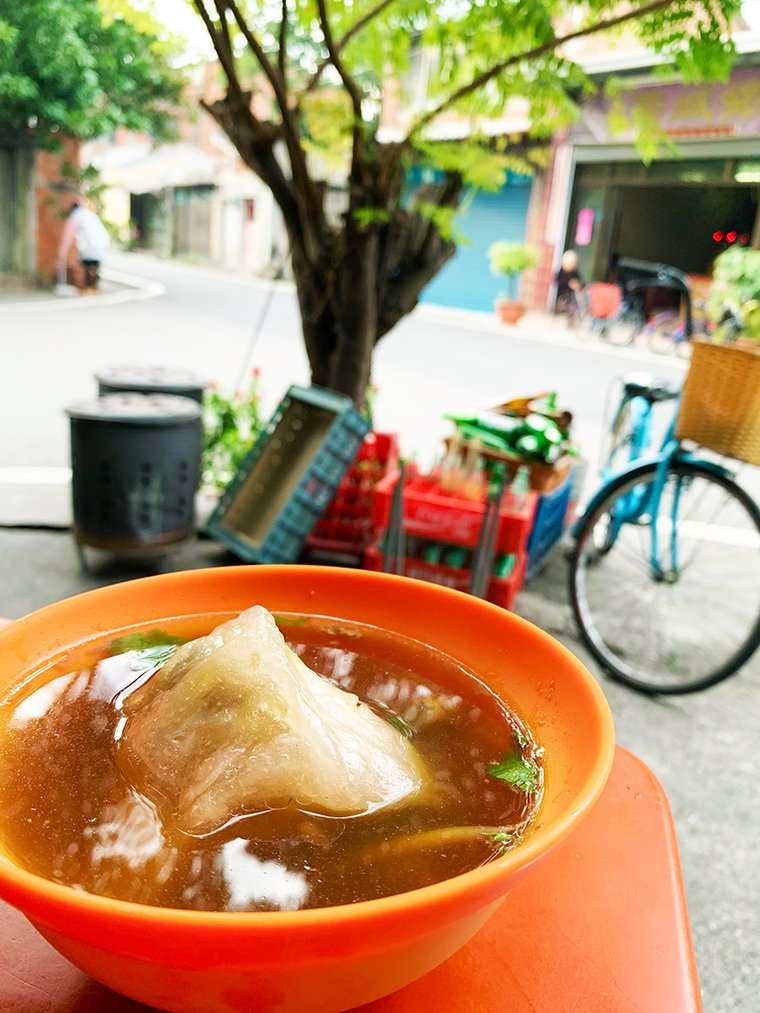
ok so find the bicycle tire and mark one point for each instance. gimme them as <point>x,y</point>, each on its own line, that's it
<point>684,346</point>
<point>661,334</point>
<point>624,330</point>
<point>686,633</point>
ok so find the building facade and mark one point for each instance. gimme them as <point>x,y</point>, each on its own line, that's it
<point>36,192</point>
<point>696,194</point>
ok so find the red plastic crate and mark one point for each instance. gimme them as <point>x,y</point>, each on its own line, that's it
<point>348,526</point>
<point>501,590</point>
<point>431,513</point>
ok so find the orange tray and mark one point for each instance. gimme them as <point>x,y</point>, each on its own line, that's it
<point>600,926</point>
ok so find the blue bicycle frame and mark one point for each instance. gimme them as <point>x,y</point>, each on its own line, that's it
<point>642,503</point>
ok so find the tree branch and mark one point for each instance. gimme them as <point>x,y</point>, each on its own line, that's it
<point>270,71</point>
<point>546,47</point>
<point>344,40</point>
<point>255,143</point>
<point>225,30</point>
<point>415,252</point>
<point>310,199</point>
<point>283,41</point>
<point>350,84</point>
<point>220,43</point>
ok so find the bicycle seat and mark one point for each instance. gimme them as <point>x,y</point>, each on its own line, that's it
<point>652,388</point>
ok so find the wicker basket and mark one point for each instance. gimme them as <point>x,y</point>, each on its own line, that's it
<point>720,405</point>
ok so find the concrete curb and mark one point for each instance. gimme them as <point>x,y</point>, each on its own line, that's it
<point>540,328</point>
<point>134,290</point>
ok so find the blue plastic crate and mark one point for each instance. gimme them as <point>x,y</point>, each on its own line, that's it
<point>289,476</point>
<point>548,525</point>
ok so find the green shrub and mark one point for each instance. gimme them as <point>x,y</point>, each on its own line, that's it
<point>231,423</point>
<point>510,260</point>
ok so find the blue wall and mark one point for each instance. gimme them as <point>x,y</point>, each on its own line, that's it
<point>466,281</point>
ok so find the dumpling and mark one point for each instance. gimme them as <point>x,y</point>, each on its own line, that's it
<point>236,723</point>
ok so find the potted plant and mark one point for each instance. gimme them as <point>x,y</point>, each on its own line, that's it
<point>734,305</point>
<point>511,259</point>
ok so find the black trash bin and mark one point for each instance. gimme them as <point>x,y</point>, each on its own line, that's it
<point>135,461</point>
<point>150,380</point>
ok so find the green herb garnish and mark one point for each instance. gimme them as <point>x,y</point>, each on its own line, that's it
<point>152,657</point>
<point>503,838</point>
<point>400,724</point>
<point>517,771</point>
<point>144,641</point>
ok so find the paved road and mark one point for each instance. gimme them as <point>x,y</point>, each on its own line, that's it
<point>434,362</point>
<point>703,747</point>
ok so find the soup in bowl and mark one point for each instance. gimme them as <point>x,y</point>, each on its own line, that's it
<point>198,840</point>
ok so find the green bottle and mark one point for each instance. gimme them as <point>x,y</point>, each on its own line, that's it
<point>456,557</point>
<point>432,552</point>
<point>504,565</point>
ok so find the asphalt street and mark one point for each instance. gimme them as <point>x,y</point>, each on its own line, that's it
<point>703,747</point>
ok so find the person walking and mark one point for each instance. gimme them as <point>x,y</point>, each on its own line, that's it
<point>85,228</point>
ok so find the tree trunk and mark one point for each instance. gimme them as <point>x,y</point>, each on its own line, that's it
<point>339,313</point>
<point>346,310</point>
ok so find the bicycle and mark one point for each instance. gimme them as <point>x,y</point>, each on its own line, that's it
<point>610,316</point>
<point>664,571</point>
<point>621,317</point>
<point>668,332</point>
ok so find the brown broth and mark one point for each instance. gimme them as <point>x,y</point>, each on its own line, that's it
<point>68,813</point>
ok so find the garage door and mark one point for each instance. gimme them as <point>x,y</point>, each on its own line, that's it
<point>466,281</point>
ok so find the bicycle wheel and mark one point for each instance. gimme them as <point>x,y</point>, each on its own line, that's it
<point>663,333</point>
<point>700,621</point>
<point>625,328</point>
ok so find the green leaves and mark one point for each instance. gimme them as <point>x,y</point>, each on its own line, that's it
<point>400,724</point>
<point>231,424</point>
<point>149,649</point>
<point>146,641</point>
<point>68,66</point>
<point>151,657</point>
<point>516,770</point>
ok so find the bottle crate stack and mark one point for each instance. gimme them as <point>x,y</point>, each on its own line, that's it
<point>442,532</point>
<point>347,526</point>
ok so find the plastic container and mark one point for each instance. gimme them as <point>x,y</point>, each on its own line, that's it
<point>288,478</point>
<point>500,591</point>
<point>135,462</point>
<point>548,526</point>
<point>141,379</point>
<point>347,526</point>
<point>436,515</point>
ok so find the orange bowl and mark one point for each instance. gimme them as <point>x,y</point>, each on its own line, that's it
<point>325,959</point>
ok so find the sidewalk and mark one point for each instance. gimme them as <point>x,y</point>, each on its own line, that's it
<point>115,287</point>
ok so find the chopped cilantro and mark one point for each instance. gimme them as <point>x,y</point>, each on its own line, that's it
<point>400,724</point>
<point>503,838</point>
<point>517,771</point>
<point>152,657</point>
<point>143,641</point>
